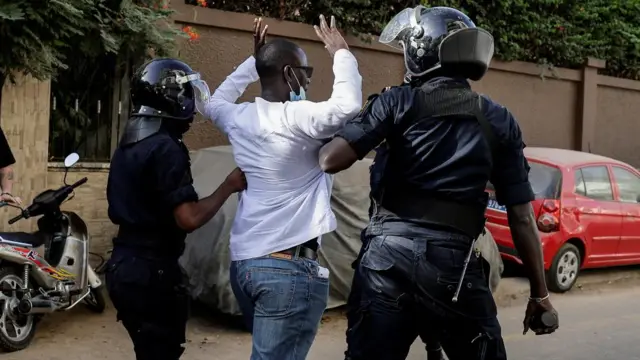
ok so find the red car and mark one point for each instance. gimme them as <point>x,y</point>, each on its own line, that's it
<point>587,210</point>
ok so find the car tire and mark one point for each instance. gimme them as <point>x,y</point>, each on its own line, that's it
<point>564,269</point>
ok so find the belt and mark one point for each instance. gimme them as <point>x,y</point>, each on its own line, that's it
<point>149,243</point>
<point>469,219</point>
<point>308,250</point>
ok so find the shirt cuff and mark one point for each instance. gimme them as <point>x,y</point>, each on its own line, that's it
<point>341,61</point>
<point>249,67</point>
<point>516,194</point>
<point>343,53</point>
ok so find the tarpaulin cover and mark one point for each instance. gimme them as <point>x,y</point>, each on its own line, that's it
<point>206,258</point>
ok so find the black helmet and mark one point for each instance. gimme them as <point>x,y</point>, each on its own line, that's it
<point>168,88</point>
<point>439,38</point>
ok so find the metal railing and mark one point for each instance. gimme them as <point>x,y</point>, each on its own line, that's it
<point>88,119</point>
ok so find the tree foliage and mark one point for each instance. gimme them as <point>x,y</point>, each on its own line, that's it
<point>81,45</point>
<point>42,37</point>
<point>554,32</point>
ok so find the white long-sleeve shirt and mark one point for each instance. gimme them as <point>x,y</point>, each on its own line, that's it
<point>287,201</point>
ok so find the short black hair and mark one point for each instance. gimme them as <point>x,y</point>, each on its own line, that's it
<point>274,56</point>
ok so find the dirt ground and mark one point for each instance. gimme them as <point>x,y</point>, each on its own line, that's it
<point>82,335</point>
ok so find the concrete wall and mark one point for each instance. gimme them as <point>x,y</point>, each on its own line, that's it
<point>574,109</point>
<point>25,120</point>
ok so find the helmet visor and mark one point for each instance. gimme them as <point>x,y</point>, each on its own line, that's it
<point>391,35</point>
<point>201,92</point>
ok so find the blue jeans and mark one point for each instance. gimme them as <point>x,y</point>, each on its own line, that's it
<point>286,299</point>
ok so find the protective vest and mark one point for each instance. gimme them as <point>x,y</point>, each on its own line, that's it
<point>438,211</point>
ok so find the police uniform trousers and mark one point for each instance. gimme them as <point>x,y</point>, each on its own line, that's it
<point>353,302</point>
<point>149,294</point>
<point>408,277</point>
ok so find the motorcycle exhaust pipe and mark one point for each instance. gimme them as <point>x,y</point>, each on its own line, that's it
<point>36,306</point>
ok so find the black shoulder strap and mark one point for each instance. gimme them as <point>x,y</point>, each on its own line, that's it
<point>487,131</point>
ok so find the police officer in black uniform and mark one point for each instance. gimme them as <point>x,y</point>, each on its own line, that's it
<point>432,345</point>
<point>152,200</point>
<point>441,143</point>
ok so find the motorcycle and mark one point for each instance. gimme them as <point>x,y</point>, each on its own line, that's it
<point>34,284</point>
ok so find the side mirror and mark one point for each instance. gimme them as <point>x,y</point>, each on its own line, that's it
<point>69,161</point>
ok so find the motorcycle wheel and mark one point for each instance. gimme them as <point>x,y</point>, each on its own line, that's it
<point>95,300</point>
<point>16,331</point>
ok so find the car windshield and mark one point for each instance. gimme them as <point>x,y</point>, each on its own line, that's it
<point>545,181</point>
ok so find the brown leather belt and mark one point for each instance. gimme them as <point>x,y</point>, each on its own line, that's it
<point>308,250</point>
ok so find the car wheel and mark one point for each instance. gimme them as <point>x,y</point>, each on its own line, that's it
<point>564,269</point>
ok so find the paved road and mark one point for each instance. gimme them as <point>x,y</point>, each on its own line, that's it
<point>596,325</point>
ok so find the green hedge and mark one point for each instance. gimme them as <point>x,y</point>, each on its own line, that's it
<point>43,37</point>
<point>553,32</point>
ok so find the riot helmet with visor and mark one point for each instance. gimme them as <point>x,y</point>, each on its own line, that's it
<point>168,88</point>
<point>439,38</point>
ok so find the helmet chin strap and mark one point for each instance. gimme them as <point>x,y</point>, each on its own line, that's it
<point>406,64</point>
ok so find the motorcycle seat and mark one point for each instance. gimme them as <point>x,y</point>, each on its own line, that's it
<point>33,240</point>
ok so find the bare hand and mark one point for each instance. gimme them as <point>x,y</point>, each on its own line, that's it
<point>236,180</point>
<point>259,35</point>
<point>330,36</point>
<point>533,314</point>
<point>10,199</point>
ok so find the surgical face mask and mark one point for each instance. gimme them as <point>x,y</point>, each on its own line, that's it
<point>292,94</point>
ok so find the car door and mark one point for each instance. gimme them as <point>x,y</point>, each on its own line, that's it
<point>628,183</point>
<point>598,213</point>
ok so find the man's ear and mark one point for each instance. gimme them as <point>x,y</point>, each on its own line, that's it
<point>288,77</point>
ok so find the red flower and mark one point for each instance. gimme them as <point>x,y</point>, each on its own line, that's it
<point>193,35</point>
<point>202,3</point>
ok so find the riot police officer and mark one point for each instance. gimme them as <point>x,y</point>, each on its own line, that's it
<point>152,199</point>
<point>432,345</point>
<point>441,143</point>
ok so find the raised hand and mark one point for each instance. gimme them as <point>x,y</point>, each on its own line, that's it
<point>330,36</point>
<point>259,35</point>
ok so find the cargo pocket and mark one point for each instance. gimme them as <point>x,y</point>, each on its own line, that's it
<point>128,283</point>
<point>475,299</point>
<point>376,257</point>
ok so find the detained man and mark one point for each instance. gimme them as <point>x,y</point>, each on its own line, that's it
<point>286,208</point>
